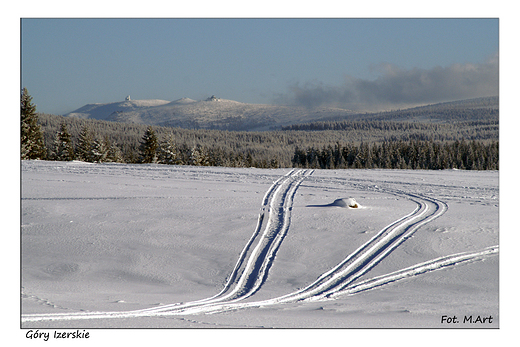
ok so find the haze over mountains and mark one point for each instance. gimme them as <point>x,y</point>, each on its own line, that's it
<point>216,113</point>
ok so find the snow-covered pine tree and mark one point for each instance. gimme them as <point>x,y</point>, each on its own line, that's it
<point>85,145</point>
<point>32,144</point>
<point>103,151</point>
<point>198,156</point>
<point>115,154</point>
<point>168,153</point>
<point>63,149</point>
<point>99,151</point>
<point>148,147</point>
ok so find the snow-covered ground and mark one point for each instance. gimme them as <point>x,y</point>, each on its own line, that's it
<point>156,246</point>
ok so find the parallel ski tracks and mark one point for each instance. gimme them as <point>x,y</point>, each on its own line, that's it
<point>255,260</point>
<point>253,265</point>
<point>372,252</point>
<point>418,269</point>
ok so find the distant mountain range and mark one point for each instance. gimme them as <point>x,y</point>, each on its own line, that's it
<point>216,113</point>
<point>212,113</point>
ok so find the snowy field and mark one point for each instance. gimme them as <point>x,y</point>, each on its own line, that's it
<point>156,246</point>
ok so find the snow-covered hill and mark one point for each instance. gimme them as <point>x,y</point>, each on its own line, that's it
<point>212,113</point>
<point>101,111</point>
<point>157,246</point>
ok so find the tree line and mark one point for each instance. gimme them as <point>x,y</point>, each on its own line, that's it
<point>51,137</point>
<point>425,155</point>
<point>486,129</point>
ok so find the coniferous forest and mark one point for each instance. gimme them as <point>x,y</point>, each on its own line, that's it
<point>424,155</point>
<point>470,144</point>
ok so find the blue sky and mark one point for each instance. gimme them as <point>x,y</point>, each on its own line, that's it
<point>67,63</point>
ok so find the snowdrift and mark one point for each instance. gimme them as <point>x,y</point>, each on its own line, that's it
<point>349,202</point>
<point>343,202</point>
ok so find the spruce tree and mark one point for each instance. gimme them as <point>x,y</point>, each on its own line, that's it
<point>99,152</point>
<point>148,147</point>
<point>32,144</point>
<point>85,145</point>
<point>114,154</point>
<point>198,156</point>
<point>168,153</point>
<point>63,150</point>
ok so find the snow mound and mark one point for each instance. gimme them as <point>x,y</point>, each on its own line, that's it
<point>343,203</point>
<point>350,202</point>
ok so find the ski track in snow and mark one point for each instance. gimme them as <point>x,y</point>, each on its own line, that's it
<point>255,260</point>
